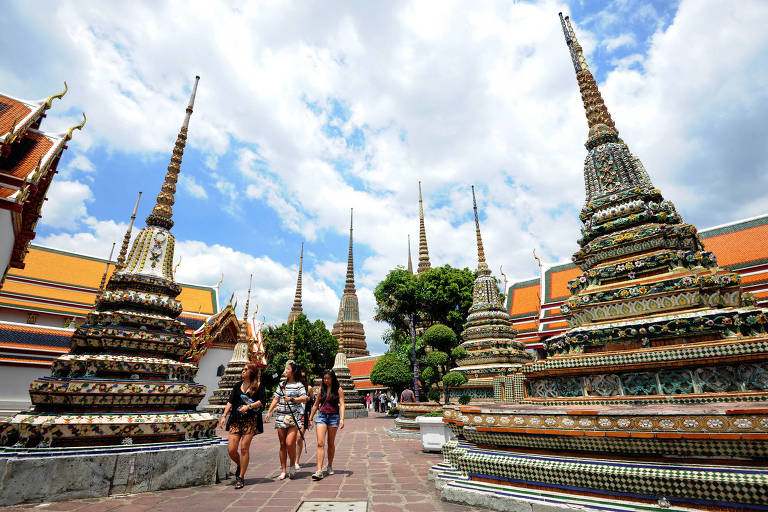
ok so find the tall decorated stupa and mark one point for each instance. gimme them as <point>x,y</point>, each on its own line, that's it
<point>296,309</point>
<point>657,396</point>
<point>348,330</point>
<point>424,263</point>
<point>123,380</point>
<point>488,336</point>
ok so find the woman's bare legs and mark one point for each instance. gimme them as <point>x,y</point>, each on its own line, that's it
<point>245,446</point>
<point>331,444</point>
<point>281,435</point>
<point>232,443</point>
<point>321,429</point>
<point>290,441</point>
<point>300,444</point>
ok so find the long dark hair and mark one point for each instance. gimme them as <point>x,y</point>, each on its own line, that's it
<point>254,375</point>
<point>294,371</point>
<point>334,391</point>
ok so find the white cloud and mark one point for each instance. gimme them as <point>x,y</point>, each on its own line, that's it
<point>194,189</point>
<point>618,41</point>
<point>65,206</point>
<point>452,95</point>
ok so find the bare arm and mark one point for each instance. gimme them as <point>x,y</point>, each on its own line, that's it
<point>223,420</point>
<point>271,408</point>
<point>342,407</point>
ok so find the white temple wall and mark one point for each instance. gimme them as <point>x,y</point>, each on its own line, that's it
<point>206,373</point>
<point>6,239</point>
<point>14,387</point>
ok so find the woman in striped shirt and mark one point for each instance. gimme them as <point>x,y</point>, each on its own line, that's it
<point>289,399</point>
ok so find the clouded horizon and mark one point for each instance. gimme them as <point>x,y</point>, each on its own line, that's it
<point>305,110</point>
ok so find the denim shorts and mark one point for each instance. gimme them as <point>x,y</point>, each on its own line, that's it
<point>332,420</point>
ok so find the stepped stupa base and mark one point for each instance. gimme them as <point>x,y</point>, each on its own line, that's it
<point>353,401</point>
<point>25,474</point>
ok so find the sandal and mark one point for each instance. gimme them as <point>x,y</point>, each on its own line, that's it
<point>291,473</point>
<point>239,482</point>
<point>317,475</point>
<point>281,477</point>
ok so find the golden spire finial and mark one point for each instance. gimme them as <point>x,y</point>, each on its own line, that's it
<point>248,300</point>
<point>50,99</point>
<point>481,264</point>
<point>297,309</point>
<point>176,266</point>
<point>410,263</point>
<point>106,270</point>
<point>598,118</point>
<point>68,136</point>
<point>163,211</point>
<point>291,350</point>
<point>127,238</point>
<point>424,263</point>
<point>349,287</point>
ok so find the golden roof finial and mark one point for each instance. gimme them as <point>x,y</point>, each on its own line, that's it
<point>106,270</point>
<point>424,263</point>
<point>177,265</point>
<point>68,136</point>
<point>127,238</point>
<point>50,99</point>
<point>481,264</point>
<point>248,300</point>
<point>163,211</point>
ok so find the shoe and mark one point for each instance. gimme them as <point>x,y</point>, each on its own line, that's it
<point>291,473</point>
<point>282,476</point>
<point>317,475</point>
<point>297,467</point>
<point>239,483</point>
<point>329,470</point>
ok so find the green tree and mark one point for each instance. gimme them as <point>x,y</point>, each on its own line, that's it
<point>441,337</point>
<point>392,371</point>
<point>315,348</point>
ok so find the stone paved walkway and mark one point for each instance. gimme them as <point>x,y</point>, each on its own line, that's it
<point>391,474</point>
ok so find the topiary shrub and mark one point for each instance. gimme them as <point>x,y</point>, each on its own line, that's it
<point>393,411</point>
<point>465,399</point>
<point>454,379</point>
<point>434,395</point>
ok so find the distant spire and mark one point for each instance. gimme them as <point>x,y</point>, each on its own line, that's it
<point>292,349</point>
<point>248,300</point>
<point>423,250</point>
<point>410,264</point>
<point>127,239</point>
<point>163,211</point>
<point>296,309</point>
<point>349,287</point>
<point>106,269</point>
<point>598,118</point>
<point>481,264</point>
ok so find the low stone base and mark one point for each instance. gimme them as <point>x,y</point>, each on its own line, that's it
<point>63,474</point>
<point>399,433</point>
<point>355,412</point>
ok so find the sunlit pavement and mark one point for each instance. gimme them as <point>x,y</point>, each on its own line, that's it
<point>391,474</point>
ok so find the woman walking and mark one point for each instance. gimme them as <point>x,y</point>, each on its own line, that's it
<point>290,397</point>
<point>244,407</point>
<point>329,407</point>
<point>305,424</point>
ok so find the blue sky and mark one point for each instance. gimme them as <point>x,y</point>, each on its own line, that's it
<point>305,111</point>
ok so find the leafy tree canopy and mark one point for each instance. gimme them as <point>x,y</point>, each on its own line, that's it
<point>441,337</point>
<point>315,348</point>
<point>392,370</point>
<point>454,379</point>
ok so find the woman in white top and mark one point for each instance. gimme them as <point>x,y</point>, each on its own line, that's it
<point>289,399</point>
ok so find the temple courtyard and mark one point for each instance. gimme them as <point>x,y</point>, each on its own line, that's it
<point>389,474</point>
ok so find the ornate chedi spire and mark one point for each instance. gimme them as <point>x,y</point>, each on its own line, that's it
<point>106,269</point>
<point>665,358</point>
<point>292,346</point>
<point>410,263</point>
<point>133,345</point>
<point>348,330</point>
<point>296,309</point>
<point>127,238</point>
<point>423,250</point>
<point>488,335</point>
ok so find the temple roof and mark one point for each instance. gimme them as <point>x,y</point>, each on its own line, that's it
<point>741,245</point>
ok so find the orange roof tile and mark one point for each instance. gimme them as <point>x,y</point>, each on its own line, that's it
<point>741,246</point>
<point>24,157</point>
<point>14,111</point>
<point>361,368</point>
<point>558,282</point>
<point>48,272</point>
<point>524,300</point>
